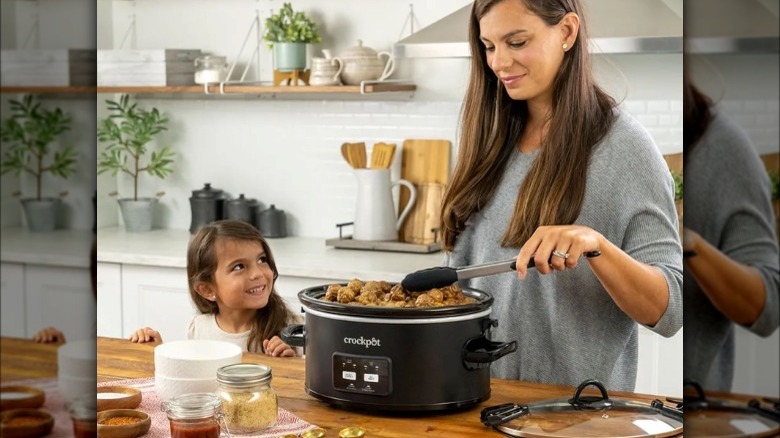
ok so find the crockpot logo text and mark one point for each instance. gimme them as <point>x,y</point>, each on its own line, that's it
<point>368,343</point>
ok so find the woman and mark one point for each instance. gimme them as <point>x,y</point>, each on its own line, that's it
<point>732,272</point>
<point>549,169</point>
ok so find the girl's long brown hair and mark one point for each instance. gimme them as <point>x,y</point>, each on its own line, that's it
<point>492,125</point>
<point>202,263</point>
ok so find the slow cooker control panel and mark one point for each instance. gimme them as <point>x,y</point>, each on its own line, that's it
<point>362,374</point>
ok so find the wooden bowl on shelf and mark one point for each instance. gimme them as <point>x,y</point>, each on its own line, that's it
<point>122,423</point>
<point>117,397</point>
<point>25,423</point>
<point>20,396</point>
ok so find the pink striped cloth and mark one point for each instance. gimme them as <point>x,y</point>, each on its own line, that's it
<point>54,404</point>
<point>286,422</point>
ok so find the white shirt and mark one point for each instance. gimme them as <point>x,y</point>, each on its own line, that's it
<point>204,326</point>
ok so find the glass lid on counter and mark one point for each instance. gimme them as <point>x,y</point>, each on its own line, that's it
<point>720,417</point>
<point>586,416</point>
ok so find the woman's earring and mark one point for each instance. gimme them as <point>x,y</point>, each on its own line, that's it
<point>565,46</point>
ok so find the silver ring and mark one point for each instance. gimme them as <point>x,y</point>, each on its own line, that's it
<point>563,255</point>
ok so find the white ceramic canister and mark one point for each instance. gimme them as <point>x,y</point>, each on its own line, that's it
<point>326,71</point>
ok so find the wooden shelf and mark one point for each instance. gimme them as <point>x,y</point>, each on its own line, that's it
<point>49,89</point>
<point>262,89</point>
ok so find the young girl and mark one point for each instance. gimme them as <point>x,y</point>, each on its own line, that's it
<point>231,275</point>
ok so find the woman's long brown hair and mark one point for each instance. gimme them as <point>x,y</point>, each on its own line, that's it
<point>697,114</point>
<point>492,125</point>
<point>202,263</point>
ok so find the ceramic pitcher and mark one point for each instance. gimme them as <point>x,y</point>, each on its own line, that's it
<point>375,217</point>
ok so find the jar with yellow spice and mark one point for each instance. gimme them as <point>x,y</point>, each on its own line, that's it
<point>248,401</point>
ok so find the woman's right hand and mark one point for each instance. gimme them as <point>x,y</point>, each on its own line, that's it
<point>146,334</point>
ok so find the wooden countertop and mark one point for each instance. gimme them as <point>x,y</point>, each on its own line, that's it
<point>120,359</point>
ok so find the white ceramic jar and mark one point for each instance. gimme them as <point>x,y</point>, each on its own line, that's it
<point>365,64</point>
<point>326,71</point>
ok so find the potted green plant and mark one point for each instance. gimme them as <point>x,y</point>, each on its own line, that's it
<point>29,133</point>
<point>127,131</point>
<point>288,32</point>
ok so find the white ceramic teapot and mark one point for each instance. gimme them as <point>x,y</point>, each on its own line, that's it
<point>365,64</point>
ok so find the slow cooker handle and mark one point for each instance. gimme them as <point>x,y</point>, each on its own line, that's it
<point>293,335</point>
<point>479,352</point>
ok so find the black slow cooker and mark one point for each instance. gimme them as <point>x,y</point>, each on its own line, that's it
<point>397,359</point>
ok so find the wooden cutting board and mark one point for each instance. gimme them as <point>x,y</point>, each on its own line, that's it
<point>423,162</point>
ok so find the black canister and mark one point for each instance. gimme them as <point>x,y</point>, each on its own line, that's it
<point>238,209</point>
<point>255,208</point>
<point>273,222</point>
<point>206,204</point>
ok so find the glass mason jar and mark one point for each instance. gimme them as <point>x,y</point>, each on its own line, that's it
<point>210,69</point>
<point>248,400</point>
<point>197,415</point>
<point>83,413</point>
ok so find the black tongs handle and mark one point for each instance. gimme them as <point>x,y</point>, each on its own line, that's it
<point>498,415</point>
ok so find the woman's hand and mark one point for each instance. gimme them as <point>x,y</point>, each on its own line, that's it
<point>146,334</point>
<point>276,347</point>
<point>548,242</point>
<point>49,334</point>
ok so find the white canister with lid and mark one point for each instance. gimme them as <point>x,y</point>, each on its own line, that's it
<point>365,64</point>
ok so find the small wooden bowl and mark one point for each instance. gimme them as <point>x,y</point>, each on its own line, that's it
<point>31,430</point>
<point>19,396</point>
<point>130,399</point>
<point>132,430</point>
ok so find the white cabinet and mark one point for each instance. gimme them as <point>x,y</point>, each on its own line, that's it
<point>156,297</point>
<point>109,300</point>
<point>60,297</point>
<point>660,364</point>
<point>12,300</point>
<point>39,296</point>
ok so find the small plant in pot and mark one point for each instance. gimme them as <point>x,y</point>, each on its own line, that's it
<point>30,133</point>
<point>288,32</point>
<point>127,133</point>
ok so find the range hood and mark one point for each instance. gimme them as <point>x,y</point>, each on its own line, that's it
<point>615,26</point>
<point>732,26</point>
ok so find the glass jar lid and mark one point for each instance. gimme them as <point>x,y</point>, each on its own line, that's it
<point>210,62</point>
<point>241,375</point>
<point>193,406</point>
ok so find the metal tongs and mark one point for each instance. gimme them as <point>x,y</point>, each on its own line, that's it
<point>441,276</point>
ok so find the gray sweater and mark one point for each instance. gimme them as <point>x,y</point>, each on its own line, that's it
<point>567,327</point>
<point>727,201</point>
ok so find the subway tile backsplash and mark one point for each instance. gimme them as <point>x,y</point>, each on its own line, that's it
<point>287,153</point>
